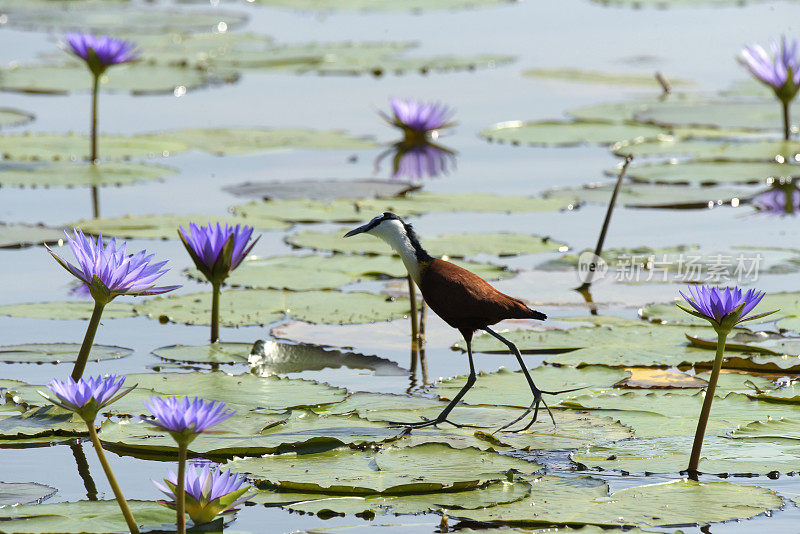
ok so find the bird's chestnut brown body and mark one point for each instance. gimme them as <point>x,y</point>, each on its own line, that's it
<point>466,301</point>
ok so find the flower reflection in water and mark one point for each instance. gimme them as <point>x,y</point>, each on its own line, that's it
<point>417,161</point>
<point>781,200</point>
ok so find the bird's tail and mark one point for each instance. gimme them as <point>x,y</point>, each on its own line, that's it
<point>537,315</point>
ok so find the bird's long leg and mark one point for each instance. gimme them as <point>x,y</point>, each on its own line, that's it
<point>537,393</point>
<point>442,417</point>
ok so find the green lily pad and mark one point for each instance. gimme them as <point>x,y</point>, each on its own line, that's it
<point>227,141</point>
<point>553,133</point>
<point>16,493</point>
<point>583,500</point>
<point>507,388</point>
<point>240,307</point>
<point>14,117</point>
<point>130,19</point>
<point>751,342</point>
<point>137,78</point>
<point>619,112</point>
<point>45,422</point>
<point>651,196</point>
<point>26,396</point>
<point>83,517</point>
<point>711,149</point>
<point>215,353</point>
<point>669,413</point>
<point>712,172</point>
<point>671,455</point>
<point>357,210</point>
<point>664,4</point>
<point>72,146</point>
<point>426,468</point>
<point>367,5</point>
<point>321,189</point>
<point>601,78</point>
<point>492,495</point>
<point>68,310</point>
<point>454,245</point>
<point>69,174</point>
<point>759,115</point>
<point>264,393</point>
<point>58,353</point>
<point>302,273</point>
<point>355,64</point>
<point>164,226</point>
<point>26,235</point>
<point>252,435</point>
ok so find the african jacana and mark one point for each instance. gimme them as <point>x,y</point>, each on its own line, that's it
<point>462,299</point>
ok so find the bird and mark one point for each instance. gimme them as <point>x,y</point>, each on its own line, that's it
<point>464,300</point>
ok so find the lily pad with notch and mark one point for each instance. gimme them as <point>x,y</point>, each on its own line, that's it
<point>58,353</point>
<point>16,235</point>
<point>240,307</point>
<point>710,148</point>
<point>753,115</point>
<point>320,189</point>
<point>164,226</point>
<point>555,133</point>
<point>17,493</point>
<point>13,117</point>
<point>66,310</point>
<point>641,195</point>
<point>706,173</point>
<point>74,147</point>
<point>79,174</point>
<point>594,77</point>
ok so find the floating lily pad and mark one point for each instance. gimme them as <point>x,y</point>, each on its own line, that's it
<point>45,422</point>
<point>265,393</point>
<point>83,517</point>
<point>14,117</point>
<point>712,149</point>
<point>16,493</point>
<point>671,455</point>
<point>712,172</point>
<point>788,305</point>
<point>551,133</point>
<point>352,65</point>
<point>651,196</point>
<point>367,5</point>
<point>454,245</point>
<point>507,388</point>
<point>647,378</point>
<point>132,19</point>
<point>239,307</point>
<point>216,353</point>
<point>357,210</point>
<point>583,500</point>
<point>66,310</point>
<point>58,353</point>
<point>620,112</point>
<point>270,357</point>
<point>226,141</point>
<point>601,78</point>
<point>301,273</point>
<point>252,435</point>
<point>492,495</point>
<point>426,468</point>
<point>138,78</point>
<point>68,174</point>
<point>664,4</point>
<point>759,115</point>
<point>319,189</point>
<point>72,146</point>
<point>164,226</point>
<point>26,396</point>
<point>752,342</point>
<point>26,235</point>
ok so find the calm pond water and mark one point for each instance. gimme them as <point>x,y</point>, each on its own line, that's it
<point>698,44</point>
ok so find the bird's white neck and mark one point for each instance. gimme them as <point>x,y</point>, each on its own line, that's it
<point>394,233</point>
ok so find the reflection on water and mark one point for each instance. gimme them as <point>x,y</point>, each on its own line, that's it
<point>417,161</point>
<point>781,200</point>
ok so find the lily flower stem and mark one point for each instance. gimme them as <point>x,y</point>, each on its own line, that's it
<point>787,127</point>
<point>180,491</point>
<point>694,459</point>
<point>412,296</point>
<point>123,504</point>
<point>95,90</point>
<point>88,340</point>
<point>215,290</point>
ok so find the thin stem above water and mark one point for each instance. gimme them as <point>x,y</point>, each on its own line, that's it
<point>88,340</point>
<point>694,459</point>
<point>123,504</point>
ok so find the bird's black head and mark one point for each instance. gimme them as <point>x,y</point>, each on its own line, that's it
<point>373,223</point>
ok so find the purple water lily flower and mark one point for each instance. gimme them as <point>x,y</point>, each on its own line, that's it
<point>780,70</point>
<point>184,419</point>
<point>421,161</point>
<point>109,271</point>
<point>100,52</point>
<point>209,491</point>
<point>778,201</point>
<point>217,250</point>
<point>418,119</point>
<point>723,307</point>
<point>86,396</point>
